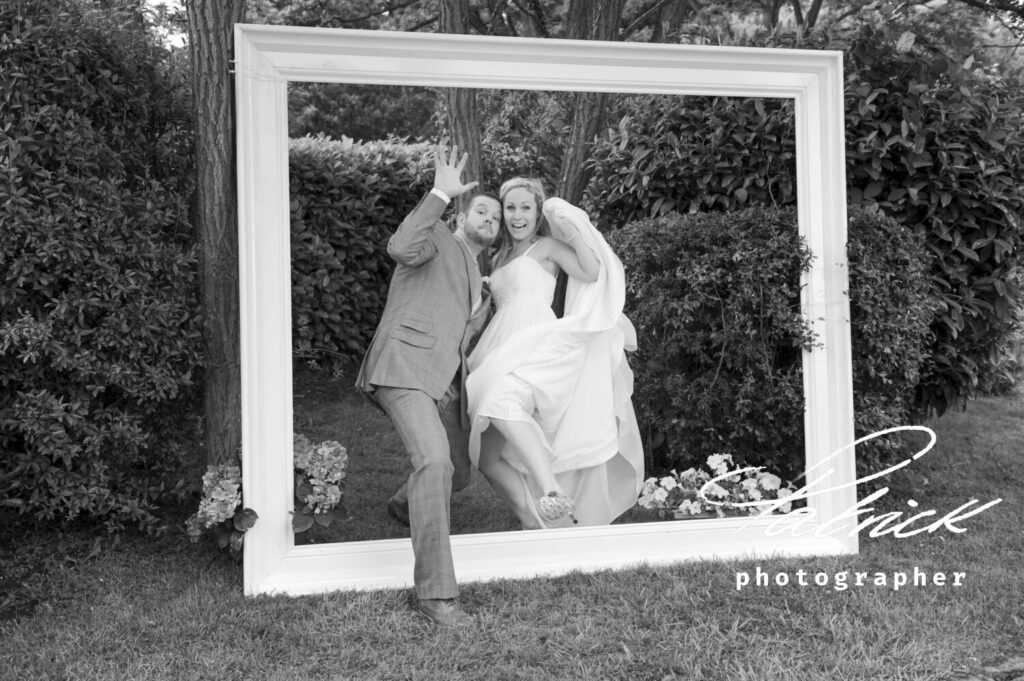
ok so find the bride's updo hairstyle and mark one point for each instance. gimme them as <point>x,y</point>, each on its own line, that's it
<point>535,187</point>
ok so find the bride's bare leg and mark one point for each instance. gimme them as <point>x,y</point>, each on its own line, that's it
<point>506,481</point>
<point>531,450</point>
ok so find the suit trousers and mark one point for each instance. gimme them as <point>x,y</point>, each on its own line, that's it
<point>437,446</point>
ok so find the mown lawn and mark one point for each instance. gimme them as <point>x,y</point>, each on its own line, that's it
<point>143,608</point>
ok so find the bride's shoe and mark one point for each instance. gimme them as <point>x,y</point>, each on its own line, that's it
<point>556,506</point>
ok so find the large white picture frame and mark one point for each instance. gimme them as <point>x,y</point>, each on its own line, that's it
<point>268,57</point>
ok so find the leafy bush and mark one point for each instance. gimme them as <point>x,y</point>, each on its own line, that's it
<point>716,302</point>
<point>347,198</point>
<point>940,146</point>
<point>935,138</point>
<point>689,154</point>
<point>891,310</point>
<point>523,133</point>
<point>339,110</point>
<point>100,334</point>
<point>715,298</point>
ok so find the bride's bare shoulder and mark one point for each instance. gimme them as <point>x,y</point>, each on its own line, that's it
<point>544,247</point>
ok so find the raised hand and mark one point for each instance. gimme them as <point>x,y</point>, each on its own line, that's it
<point>448,172</point>
<point>560,220</point>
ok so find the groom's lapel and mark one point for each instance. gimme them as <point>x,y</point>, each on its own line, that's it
<point>472,273</point>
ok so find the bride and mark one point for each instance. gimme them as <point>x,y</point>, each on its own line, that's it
<point>553,428</point>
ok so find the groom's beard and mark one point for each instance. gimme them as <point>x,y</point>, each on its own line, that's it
<point>480,239</point>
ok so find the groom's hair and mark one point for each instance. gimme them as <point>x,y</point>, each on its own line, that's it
<point>467,199</point>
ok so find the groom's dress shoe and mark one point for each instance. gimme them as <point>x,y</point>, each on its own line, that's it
<point>444,612</point>
<point>398,511</point>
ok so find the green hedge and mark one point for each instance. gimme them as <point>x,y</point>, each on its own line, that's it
<point>891,311</point>
<point>100,334</point>
<point>933,139</point>
<point>670,154</point>
<point>347,198</point>
<point>941,148</point>
<point>715,298</point>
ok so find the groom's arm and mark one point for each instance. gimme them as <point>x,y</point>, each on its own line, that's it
<point>411,244</point>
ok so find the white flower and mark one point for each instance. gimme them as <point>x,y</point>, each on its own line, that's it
<point>713,489</point>
<point>784,493</point>
<point>653,497</point>
<point>689,507</point>
<point>302,449</point>
<point>222,494</point>
<point>749,484</point>
<point>668,483</point>
<point>769,481</point>
<point>323,466</point>
<point>719,463</point>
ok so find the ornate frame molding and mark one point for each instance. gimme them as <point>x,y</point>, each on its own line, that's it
<point>268,57</point>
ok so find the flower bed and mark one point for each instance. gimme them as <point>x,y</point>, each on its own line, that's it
<point>722,492</point>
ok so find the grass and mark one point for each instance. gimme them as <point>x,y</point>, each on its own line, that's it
<point>143,608</point>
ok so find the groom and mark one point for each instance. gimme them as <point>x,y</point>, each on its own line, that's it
<point>415,368</point>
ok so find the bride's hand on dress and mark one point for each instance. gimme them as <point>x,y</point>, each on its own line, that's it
<point>572,252</point>
<point>561,228</point>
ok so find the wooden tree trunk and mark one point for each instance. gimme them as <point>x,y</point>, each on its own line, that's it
<point>586,20</point>
<point>460,103</point>
<point>812,14</point>
<point>211,25</point>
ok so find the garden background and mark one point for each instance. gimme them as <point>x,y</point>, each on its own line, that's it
<point>106,336</point>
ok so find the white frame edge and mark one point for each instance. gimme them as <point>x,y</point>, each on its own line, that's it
<point>267,57</point>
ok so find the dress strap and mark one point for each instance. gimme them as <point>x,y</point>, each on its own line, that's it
<point>530,248</point>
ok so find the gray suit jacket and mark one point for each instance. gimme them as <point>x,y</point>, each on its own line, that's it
<point>427,325</point>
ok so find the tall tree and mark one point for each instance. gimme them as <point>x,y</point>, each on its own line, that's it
<point>460,103</point>
<point>585,20</point>
<point>215,216</point>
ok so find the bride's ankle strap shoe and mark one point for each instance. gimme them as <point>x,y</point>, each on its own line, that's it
<point>556,506</point>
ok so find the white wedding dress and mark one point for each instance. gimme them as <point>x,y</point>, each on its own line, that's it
<point>567,377</point>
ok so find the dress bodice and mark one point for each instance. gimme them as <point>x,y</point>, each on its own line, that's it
<point>522,281</point>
